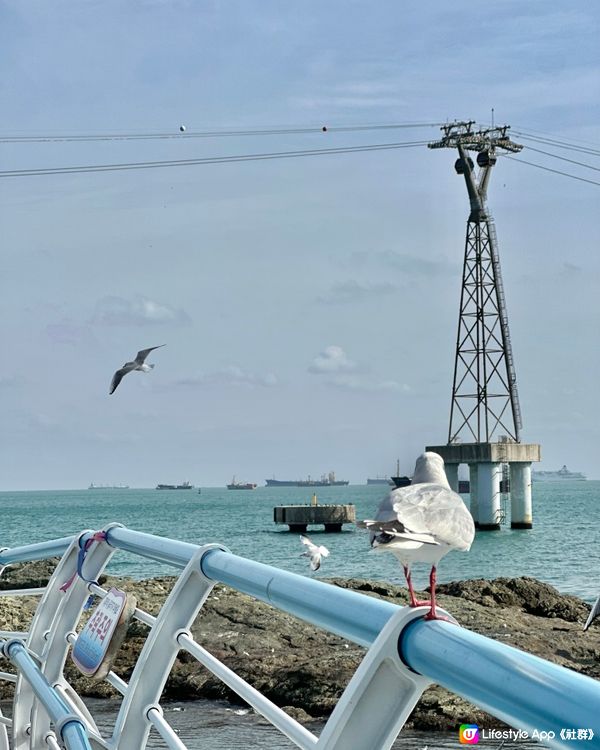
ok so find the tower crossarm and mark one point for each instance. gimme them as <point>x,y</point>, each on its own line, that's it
<point>483,139</point>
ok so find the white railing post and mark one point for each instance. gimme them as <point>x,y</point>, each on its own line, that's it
<point>57,614</point>
<point>380,696</point>
<point>158,654</point>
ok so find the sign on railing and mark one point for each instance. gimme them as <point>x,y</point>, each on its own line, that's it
<point>98,643</point>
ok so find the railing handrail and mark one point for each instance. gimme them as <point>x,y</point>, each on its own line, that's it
<point>67,725</point>
<point>523,690</point>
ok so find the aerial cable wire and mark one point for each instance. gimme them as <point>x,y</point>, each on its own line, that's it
<point>210,133</point>
<point>553,136</point>
<point>559,144</point>
<point>563,158</point>
<point>209,160</point>
<point>548,169</point>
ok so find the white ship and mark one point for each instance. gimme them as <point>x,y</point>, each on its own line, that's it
<point>552,476</point>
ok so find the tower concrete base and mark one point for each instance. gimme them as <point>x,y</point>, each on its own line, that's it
<point>484,461</point>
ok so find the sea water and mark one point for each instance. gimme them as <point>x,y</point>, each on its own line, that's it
<point>220,726</point>
<point>561,549</point>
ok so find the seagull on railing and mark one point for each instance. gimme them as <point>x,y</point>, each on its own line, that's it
<point>595,611</point>
<point>422,523</point>
<point>137,364</point>
<point>314,552</point>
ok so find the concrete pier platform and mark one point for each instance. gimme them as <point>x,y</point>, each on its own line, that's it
<point>298,517</point>
<point>487,482</point>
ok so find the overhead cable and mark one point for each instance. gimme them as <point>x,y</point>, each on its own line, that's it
<point>559,144</point>
<point>207,160</point>
<point>563,158</point>
<point>548,169</point>
<point>209,133</point>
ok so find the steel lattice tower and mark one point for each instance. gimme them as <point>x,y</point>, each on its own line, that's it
<point>484,391</point>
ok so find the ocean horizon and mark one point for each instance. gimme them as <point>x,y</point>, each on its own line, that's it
<point>560,549</point>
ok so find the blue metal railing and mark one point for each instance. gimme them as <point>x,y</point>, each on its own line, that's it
<point>356,617</point>
<point>523,690</point>
<point>68,725</point>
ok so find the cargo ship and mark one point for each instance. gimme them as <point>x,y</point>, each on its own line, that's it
<point>183,486</point>
<point>328,480</point>
<point>241,485</point>
<point>552,476</point>
<point>398,480</point>
<point>108,486</point>
<point>380,480</point>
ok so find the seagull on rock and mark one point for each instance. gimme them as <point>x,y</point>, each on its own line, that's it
<point>595,611</point>
<point>137,364</point>
<point>422,523</point>
<point>314,552</point>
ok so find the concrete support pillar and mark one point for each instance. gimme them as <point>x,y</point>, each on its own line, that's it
<point>452,475</point>
<point>521,511</point>
<point>488,495</point>
<point>473,493</point>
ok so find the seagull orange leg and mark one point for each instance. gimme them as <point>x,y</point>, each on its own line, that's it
<point>431,615</point>
<point>414,602</point>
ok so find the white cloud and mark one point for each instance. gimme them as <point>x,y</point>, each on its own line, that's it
<point>332,359</point>
<point>141,311</point>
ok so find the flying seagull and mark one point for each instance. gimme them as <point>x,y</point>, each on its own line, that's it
<point>422,523</point>
<point>137,364</point>
<point>314,552</point>
<point>595,611</point>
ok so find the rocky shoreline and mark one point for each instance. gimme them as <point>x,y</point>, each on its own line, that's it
<point>305,670</point>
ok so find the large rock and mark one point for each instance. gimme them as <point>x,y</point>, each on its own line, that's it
<point>27,576</point>
<point>305,669</point>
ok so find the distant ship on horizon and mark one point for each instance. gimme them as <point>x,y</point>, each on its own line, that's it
<point>233,485</point>
<point>400,480</point>
<point>328,480</point>
<point>551,476</point>
<point>182,486</point>
<point>381,480</point>
<point>108,486</point>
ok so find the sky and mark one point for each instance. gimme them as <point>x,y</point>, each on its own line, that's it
<point>309,306</point>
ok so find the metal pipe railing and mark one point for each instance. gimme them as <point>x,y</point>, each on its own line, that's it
<point>520,689</point>
<point>39,551</point>
<point>157,548</point>
<point>348,614</point>
<point>351,615</point>
<point>68,725</point>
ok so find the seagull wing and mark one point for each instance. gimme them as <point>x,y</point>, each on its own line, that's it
<point>435,510</point>
<point>593,614</point>
<point>313,552</point>
<point>117,377</point>
<point>143,353</point>
<point>398,530</point>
